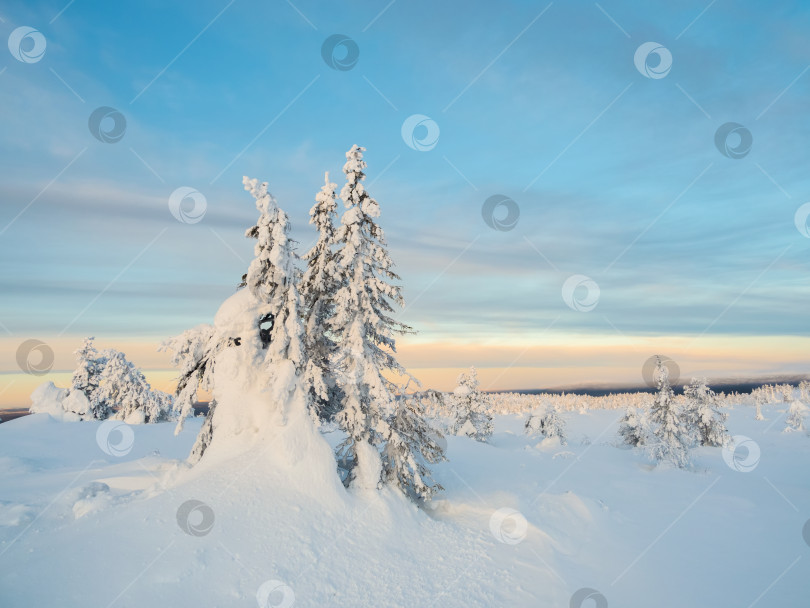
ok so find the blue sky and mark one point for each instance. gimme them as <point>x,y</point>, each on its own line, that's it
<point>616,175</point>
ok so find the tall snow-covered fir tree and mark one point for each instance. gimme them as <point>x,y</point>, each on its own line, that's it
<point>319,285</point>
<point>273,279</point>
<point>252,357</point>
<point>473,418</point>
<point>671,435</point>
<point>704,415</point>
<point>364,331</point>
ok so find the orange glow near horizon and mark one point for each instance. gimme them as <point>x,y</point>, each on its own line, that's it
<point>550,362</point>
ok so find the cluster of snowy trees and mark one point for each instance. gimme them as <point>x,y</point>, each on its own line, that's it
<point>106,385</point>
<point>669,428</point>
<point>315,333</point>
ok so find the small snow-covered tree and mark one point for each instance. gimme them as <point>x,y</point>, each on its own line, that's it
<point>546,422</point>
<point>795,417</point>
<point>759,400</point>
<point>634,427</point>
<point>703,414</point>
<point>472,408</point>
<point>804,390</point>
<point>410,445</point>
<point>85,380</point>
<point>319,285</point>
<point>671,436</point>
<point>364,331</point>
<point>123,386</point>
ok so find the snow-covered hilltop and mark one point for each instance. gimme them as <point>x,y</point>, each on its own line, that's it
<point>322,475</point>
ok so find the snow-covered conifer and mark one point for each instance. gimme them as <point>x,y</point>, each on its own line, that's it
<point>795,417</point>
<point>546,422</point>
<point>319,285</point>
<point>253,357</point>
<point>634,427</point>
<point>472,408</point>
<point>671,436</point>
<point>410,445</point>
<point>85,380</point>
<point>123,386</point>
<point>364,330</point>
<point>703,414</point>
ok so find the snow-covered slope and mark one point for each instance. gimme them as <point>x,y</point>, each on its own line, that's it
<point>521,523</point>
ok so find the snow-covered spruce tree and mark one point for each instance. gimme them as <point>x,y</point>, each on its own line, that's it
<point>473,418</point>
<point>252,359</point>
<point>795,417</point>
<point>364,331</point>
<point>124,386</point>
<point>84,383</point>
<point>703,414</point>
<point>319,285</point>
<point>671,436</point>
<point>634,427</point>
<point>412,443</point>
<point>546,422</point>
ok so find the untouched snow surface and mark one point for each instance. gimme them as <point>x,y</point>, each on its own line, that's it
<point>521,523</point>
